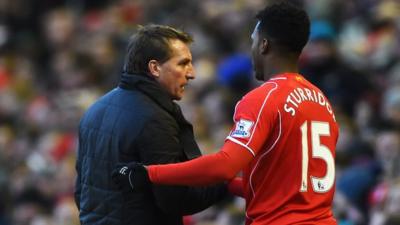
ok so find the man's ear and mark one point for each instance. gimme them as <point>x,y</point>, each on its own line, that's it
<point>264,46</point>
<point>154,68</point>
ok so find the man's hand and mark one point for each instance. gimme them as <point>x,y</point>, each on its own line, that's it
<point>131,176</point>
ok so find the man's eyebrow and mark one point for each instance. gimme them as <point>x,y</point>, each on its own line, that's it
<point>184,61</point>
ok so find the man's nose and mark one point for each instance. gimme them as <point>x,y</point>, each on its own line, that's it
<point>191,74</point>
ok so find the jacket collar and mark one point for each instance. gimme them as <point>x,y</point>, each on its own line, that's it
<point>148,86</point>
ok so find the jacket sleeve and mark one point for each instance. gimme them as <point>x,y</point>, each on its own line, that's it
<point>159,144</point>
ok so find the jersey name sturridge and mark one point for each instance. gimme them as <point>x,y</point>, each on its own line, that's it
<point>299,95</point>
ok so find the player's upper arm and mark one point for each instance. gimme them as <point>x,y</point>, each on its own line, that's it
<point>255,117</point>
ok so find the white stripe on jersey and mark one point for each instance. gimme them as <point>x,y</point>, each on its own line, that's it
<point>278,78</point>
<point>241,144</point>
<point>261,109</point>
<point>233,118</point>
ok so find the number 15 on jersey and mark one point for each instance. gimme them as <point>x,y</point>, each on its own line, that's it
<point>319,150</point>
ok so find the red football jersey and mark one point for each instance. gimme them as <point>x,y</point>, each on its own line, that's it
<point>289,127</point>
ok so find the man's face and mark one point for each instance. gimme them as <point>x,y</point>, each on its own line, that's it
<point>255,53</point>
<point>176,72</point>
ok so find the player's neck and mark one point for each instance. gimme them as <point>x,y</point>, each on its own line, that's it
<point>279,67</point>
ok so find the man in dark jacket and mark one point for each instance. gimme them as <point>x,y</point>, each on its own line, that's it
<point>139,121</point>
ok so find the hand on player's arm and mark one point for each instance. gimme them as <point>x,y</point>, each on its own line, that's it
<point>205,170</point>
<point>131,175</point>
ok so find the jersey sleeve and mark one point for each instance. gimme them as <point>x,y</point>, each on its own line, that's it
<point>204,170</point>
<point>254,119</point>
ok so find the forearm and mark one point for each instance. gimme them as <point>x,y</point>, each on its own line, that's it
<point>205,170</point>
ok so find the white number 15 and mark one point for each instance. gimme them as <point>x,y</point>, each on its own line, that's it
<point>319,184</point>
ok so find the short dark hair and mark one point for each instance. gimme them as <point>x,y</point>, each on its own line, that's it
<point>151,42</point>
<point>285,24</point>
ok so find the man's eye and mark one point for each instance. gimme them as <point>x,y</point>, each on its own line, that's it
<point>184,63</point>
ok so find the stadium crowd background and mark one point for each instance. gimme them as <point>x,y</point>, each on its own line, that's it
<point>58,56</point>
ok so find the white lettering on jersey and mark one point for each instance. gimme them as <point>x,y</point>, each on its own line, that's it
<point>242,129</point>
<point>299,95</point>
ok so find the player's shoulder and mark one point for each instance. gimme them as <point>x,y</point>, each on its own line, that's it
<point>257,98</point>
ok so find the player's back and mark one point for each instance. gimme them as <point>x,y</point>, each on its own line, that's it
<point>292,177</point>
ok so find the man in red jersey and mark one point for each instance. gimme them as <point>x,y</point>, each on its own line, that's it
<point>283,140</point>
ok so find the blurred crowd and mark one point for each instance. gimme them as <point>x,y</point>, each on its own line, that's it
<point>58,56</point>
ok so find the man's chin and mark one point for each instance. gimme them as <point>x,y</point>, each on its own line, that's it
<point>177,97</point>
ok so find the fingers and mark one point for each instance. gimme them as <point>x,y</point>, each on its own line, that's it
<point>132,176</point>
<point>119,174</point>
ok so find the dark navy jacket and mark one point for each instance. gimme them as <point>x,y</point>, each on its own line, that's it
<point>137,121</point>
